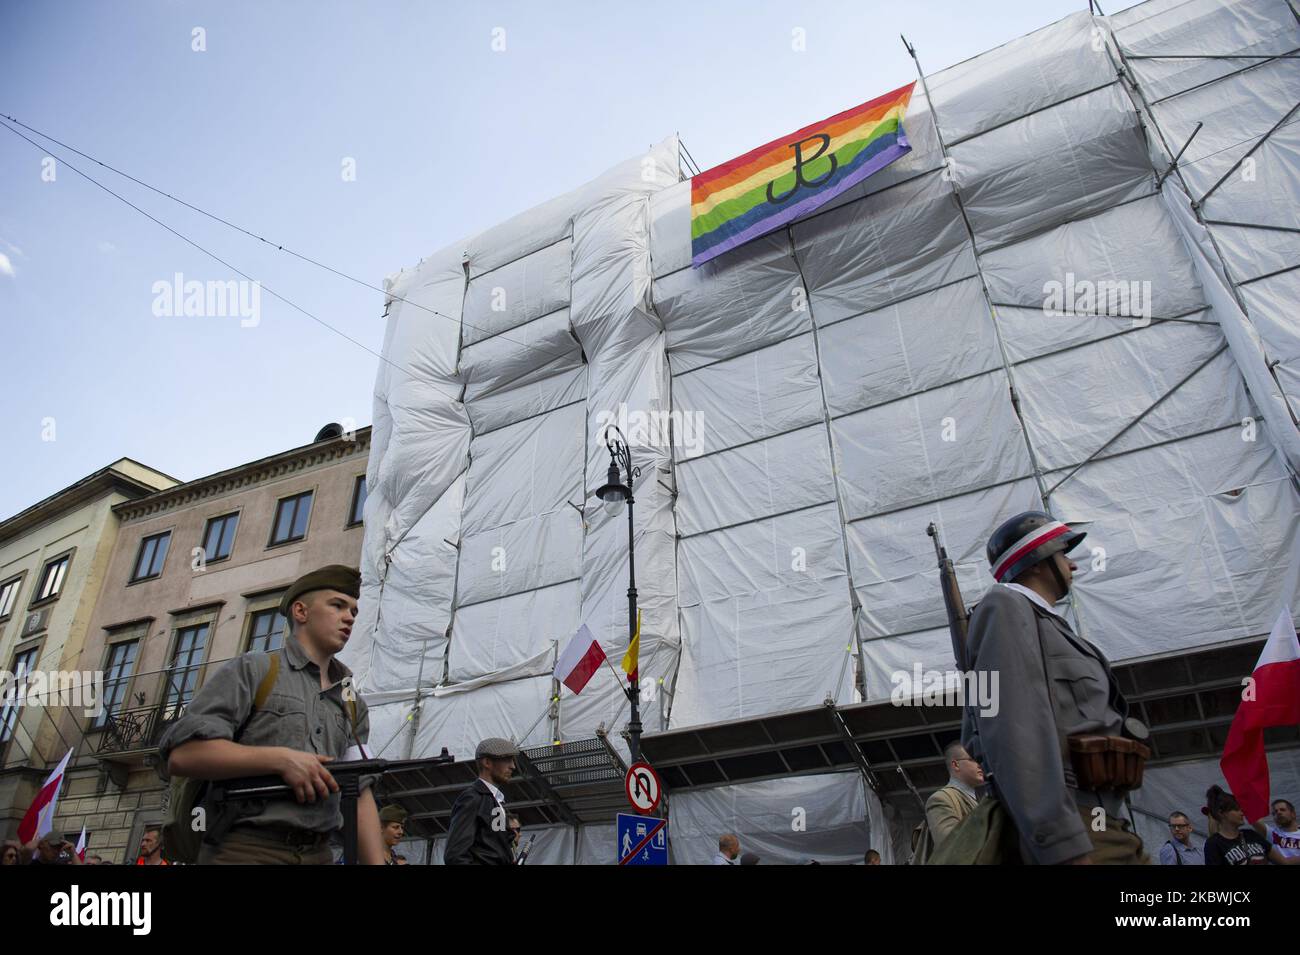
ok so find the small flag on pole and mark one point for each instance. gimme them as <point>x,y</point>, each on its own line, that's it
<point>1272,700</point>
<point>81,843</point>
<point>581,658</point>
<point>39,820</point>
<point>633,652</point>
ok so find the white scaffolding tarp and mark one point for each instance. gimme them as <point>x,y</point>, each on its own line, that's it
<point>803,406</point>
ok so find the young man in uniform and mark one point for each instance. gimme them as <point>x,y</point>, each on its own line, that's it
<point>1052,685</point>
<point>392,820</point>
<point>478,833</point>
<point>310,717</point>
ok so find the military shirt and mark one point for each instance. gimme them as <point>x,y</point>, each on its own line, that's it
<point>297,714</point>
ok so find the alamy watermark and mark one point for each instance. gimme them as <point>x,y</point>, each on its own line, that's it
<point>50,688</point>
<point>1108,297</point>
<point>176,298</point>
<point>917,687</point>
<point>657,429</point>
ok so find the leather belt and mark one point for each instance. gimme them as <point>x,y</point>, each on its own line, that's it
<point>285,836</point>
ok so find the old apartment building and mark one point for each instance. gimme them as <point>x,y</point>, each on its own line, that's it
<point>53,559</point>
<point>192,581</point>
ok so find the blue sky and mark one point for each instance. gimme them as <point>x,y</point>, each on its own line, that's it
<point>448,137</point>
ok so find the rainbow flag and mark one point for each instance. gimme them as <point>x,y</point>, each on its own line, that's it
<point>791,176</point>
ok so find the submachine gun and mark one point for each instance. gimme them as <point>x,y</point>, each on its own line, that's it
<point>348,774</point>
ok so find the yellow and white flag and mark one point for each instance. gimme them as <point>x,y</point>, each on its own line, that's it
<point>633,651</point>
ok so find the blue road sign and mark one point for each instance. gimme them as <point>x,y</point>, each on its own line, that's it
<point>642,840</point>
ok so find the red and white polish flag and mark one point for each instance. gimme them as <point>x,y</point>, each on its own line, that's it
<point>581,657</point>
<point>81,844</point>
<point>1274,701</point>
<point>39,820</point>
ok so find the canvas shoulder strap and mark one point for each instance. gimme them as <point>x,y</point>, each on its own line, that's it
<point>264,688</point>
<point>349,695</point>
<point>268,683</point>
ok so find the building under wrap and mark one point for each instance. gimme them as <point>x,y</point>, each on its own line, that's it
<point>1025,308</point>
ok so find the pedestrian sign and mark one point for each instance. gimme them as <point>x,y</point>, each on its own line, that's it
<point>642,840</point>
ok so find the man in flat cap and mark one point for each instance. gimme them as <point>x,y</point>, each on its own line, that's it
<point>392,822</point>
<point>479,833</point>
<point>287,713</point>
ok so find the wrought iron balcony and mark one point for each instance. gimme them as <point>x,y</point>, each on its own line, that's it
<point>136,730</point>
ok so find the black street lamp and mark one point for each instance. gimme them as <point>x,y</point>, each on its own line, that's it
<point>615,494</point>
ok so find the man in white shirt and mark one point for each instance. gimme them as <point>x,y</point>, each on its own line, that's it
<point>728,850</point>
<point>1282,831</point>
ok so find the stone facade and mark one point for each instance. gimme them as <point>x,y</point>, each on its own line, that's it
<point>44,631</point>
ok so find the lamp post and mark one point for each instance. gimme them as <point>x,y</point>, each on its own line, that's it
<point>615,494</point>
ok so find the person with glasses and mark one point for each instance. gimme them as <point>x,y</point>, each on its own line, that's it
<point>950,804</point>
<point>1179,849</point>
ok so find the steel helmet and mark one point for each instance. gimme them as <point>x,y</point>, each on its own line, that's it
<point>1028,539</point>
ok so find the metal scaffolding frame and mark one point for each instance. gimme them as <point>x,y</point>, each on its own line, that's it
<point>1147,107</point>
<point>1187,699</point>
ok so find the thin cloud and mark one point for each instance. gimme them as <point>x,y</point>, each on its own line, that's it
<point>6,267</point>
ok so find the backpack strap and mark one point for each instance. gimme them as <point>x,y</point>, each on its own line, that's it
<point>268,683</point>
<point>350,702</point>
<point>264,688</point>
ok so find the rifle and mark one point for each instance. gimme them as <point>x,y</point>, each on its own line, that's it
<point>958,618</point>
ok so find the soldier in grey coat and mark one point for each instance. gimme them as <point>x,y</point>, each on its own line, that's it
<point>1052,684</point>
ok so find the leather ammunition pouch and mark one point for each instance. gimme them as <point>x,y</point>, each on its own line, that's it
<point>1107,763</point>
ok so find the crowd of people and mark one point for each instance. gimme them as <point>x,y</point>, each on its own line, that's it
<point>51,850</point>
<point>1029,779</point>
<point>483,832</point>
<point>1229,839</point>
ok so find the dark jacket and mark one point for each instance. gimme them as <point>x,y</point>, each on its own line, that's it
<point>478,834</point>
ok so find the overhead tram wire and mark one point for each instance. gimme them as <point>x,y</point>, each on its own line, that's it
<point>351,278</point>
<point>217,258</point>
<point>252,235</point>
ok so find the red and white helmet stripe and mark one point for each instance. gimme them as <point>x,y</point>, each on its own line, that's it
<point>1038,536</point>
